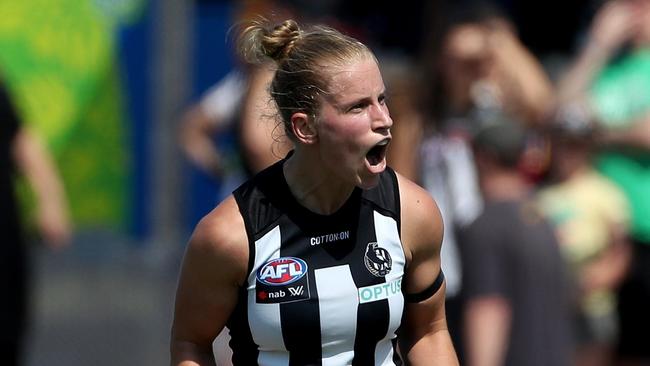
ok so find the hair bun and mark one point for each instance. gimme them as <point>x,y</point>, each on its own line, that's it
<point>280,41</point>
<point>259,41</point>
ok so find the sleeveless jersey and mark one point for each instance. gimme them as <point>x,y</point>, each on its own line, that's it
<point>321,289</point>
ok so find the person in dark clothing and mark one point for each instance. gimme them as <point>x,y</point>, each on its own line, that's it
<point>21,151</point>
<point>514,285</point>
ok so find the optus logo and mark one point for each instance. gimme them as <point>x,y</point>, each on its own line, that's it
<point>381,291</point>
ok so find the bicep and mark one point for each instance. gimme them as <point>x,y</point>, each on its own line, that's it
<point>422,236</point>
<point>422,232</point>
<point>213,269</point>
<point>202,302</point>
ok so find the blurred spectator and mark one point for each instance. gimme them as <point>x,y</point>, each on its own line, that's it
<point>591,216</point>
<point>480,69</point>
<point>22,150</point>
<point>477,66</point>
<point>514,283</point>
<point>239,102</point>
<point>609,85</point>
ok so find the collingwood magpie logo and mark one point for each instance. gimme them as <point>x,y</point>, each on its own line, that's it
<point>377,260</point>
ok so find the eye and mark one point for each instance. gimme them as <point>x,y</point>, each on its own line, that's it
<point>382,99</point>
<point>357,107</point>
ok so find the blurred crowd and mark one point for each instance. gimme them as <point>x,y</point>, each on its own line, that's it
<point>528,122</point>
<point>532,135</point>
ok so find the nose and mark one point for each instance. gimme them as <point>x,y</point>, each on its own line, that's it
<point>381,117</point>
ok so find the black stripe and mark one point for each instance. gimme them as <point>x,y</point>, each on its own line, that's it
<point>250,231</point>
<point>428,292</point>
<point>245,351</point>
<point>373,317</point>
<point>397,360</point>
<point>300,320</point>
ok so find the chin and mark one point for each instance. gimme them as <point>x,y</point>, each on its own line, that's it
<point>368,182</point>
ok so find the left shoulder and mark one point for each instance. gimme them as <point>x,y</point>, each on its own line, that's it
<point>422,226</point>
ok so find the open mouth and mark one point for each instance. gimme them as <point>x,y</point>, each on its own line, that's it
<point>377,154</point>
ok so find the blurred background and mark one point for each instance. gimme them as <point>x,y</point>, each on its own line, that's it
<point>109,87</point>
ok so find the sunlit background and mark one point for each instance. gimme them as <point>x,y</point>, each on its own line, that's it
<point>104,83</point>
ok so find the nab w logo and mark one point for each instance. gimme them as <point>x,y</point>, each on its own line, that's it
<point>377,260</point>
<point>282,280</point>
<point>296,291</point>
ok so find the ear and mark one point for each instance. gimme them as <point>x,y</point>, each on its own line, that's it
<point>303,128</point>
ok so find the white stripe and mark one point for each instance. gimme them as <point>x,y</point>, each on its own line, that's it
<point>338,304</point>
<point>344,358</point>
<point>273,358</point>
<point>384,353</point>
<point>264,319</point>
<point>388,238</point>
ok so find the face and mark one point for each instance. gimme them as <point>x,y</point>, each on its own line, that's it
<point>354,124</point>
<point>466,59</point>
<point>467,51</point>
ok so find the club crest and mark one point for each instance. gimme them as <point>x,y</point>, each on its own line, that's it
<point>377,260</point>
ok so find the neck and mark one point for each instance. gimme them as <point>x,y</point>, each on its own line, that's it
<point>504,186</point>
<point>314,187</point>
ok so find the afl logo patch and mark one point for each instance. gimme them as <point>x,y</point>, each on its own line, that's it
<point>377,260</point>
<point>282,271</point>
<point>282,280</point>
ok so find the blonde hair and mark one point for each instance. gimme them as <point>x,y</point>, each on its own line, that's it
<point>302,58</point>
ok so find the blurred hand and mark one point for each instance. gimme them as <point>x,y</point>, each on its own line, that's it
<point>614,24</point>
<point>54,225</point>
<point>35,162</point>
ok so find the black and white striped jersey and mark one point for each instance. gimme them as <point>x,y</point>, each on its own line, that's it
<point>321,289</point>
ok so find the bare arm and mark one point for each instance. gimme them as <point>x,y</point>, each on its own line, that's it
<point>213,268</point>
<point>196,131</point>
<point>263,140</point>
<point>611,28</point>
<point>637,134</point>
<point>487,328</point>
<point>213,113</point>
<point>609,270</point>
<point>425,339</point>
<point>37,166</point>
<point>526,86</point>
